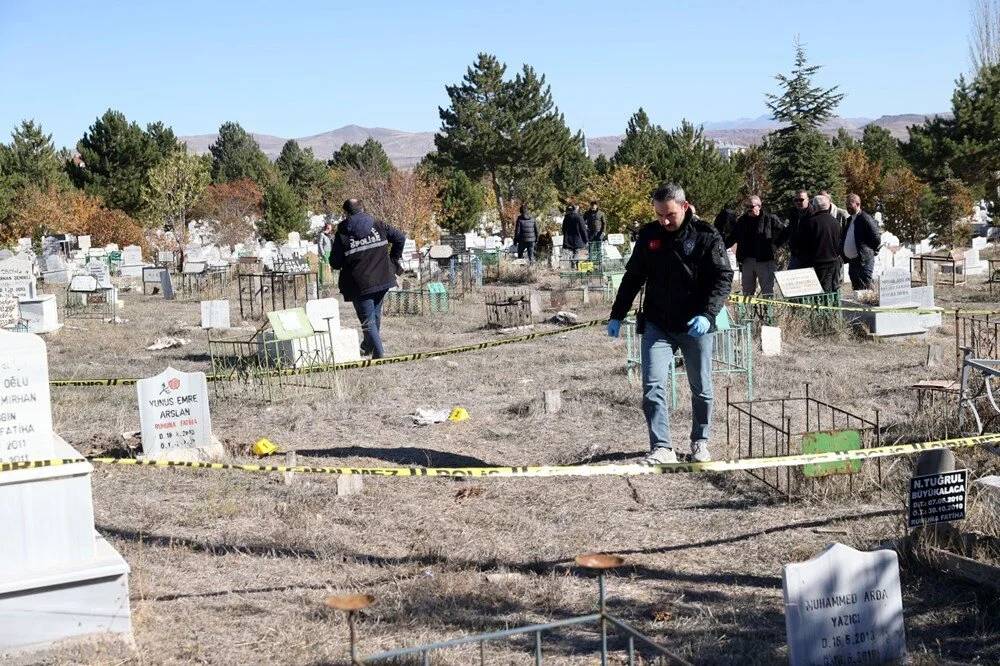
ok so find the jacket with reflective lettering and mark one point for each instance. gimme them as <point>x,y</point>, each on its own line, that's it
<point>366,252</point>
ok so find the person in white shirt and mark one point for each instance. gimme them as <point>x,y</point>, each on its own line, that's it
<point>859,243</point>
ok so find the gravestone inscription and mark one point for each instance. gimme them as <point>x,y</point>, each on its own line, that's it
<point>937,498</point>
<point>174,412</point>
<point>25,407</point>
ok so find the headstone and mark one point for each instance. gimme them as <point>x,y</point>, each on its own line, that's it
<point>455,241</point>
<point>937,498</point>
<point>290,324</point>
<point>894,288</point>
<point>324,314</point>
<point>83,242</point>
<point>83,284</point>
<point>294,238</point>
<point>25,408</point>
<point>979,243</point>
<point>441,251</point>
<point>616,239</point>
<point>17,280</point>
<point>935,356</point>
<point>215,314</point>
<point>56,270</point>
<point>798,282</point>
<point>166,286</point>
<point>770,340</point>
<point>100,272</point>
<point>844,606</point>
<point>174,414</point>
<point>40,314</point>
<point>989,490</point>
<point>612,252</point>
<point>165,257</point>
<point>973,264</point>
<point>194,267</point>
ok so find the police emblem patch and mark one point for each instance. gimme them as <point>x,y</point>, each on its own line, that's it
<point>689,246</point>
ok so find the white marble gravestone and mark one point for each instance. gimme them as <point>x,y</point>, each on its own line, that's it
<point>17,281</point>
<point>844,607</point>
<point>215,314</point>
<point>101,273</point>
<point>174,416</point>
<point>59,578</point>
<point>616,239</point>
<point>56,270</point>
<point>770,340</point>
<point>83,242</point>
<point>40,314</point>
<point>441,251</point>
<point>324,314</point>
<point>798,282</point>
<point>894,288</point>
<point>973,264</point>
<point>132,265</point>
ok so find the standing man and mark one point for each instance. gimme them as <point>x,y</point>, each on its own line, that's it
<point>367,253</point>
<point>757,235</point>
<point>800,211</point>
<point>859,243</point>
<point>574,232</point>
<point>596,225</point>
<point>817,244</point>
<point>525,234</point>
<point>325,240</point>
<point>683,265</point>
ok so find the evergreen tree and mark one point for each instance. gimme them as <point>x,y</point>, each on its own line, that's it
<point>283,212</point>
<point>31,159</point>
<point>881,147</point>
<point>572,171</point>
<point>116,157</point>
<point>967,145</point>
<point>235,155</point>
<point>751,167</point>
<point>306,175</point>
<point>175,185</point>
<point>509,131</point>
<point>799,156</point>
<point>602,165</point>
<point>843,140</point>
<point>643,144</point>
<point>367,155</point>
<point>462,202</point>
<point>691,160</point>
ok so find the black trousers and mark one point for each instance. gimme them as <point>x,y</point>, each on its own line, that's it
<point>830,275</point>
<point>860,271</point>
<point>528,248</point>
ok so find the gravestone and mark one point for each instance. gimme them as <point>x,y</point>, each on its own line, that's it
<point>40,314</point>
<point>166,286</point>
<point>937,498</point>
<point>770,340</point>
<point>294,239</point>
<point>194,267</point>
<point>56,271</point>
<point>83,242</point>
<point>59,579</point>
<point>132,261</point>
<point>844,607</point>
<point>979,243</point>
<point>324,314</point>
<point>798,282</point>
<point>174,416</point>
<point>441,252</point>
<point>455,241</point>
<point>894,288</point>
<point>616,239</point>
<point>165,257</point>
<point>17,281</point>
<point>215,314</point>
<point>100,272</point>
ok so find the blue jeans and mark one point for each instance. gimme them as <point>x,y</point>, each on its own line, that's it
<point>658,348</point>
<point>369,310</point>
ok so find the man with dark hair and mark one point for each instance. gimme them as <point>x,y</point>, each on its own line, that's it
<point>367,252</point>
<point>859,243</point>
<point>596,226</point>
<point>817,244</point>
<point>683,265</point>
<point>757,235</point>
<point>574,232</point>
<point>800,211</point>
<point>525,234</point>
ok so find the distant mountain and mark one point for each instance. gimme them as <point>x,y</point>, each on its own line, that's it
<point>405,149</point>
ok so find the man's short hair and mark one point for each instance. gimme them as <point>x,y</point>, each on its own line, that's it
<point>669,192</point>
<point>853,197</point>
<point>821,202</point>
<point>593,203</point>
<point>352,206</point>
<point>753,199</point>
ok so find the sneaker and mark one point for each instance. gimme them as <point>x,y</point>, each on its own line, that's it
<point>661,455</point>
<point>699,451</point>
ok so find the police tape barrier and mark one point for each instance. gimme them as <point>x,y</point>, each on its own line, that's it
<point>634,469</point>
<point>348,365</point>
<point>756,300</point>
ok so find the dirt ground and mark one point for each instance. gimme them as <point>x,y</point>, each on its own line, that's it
<point>233,568</point>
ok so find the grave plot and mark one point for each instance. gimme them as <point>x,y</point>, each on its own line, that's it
<point>460,271</point>
<point>432,300</point>
<point>793,425</point>
<point>260,293</point>
<point>508,307</point>
<point>924,267</point>
<point>732,355</point>
<point>894,291</point>
<point>88,297</point>
<point>800,288</point>
<point>199,280</point>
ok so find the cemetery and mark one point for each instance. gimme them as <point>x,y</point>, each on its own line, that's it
<point>375,396</point>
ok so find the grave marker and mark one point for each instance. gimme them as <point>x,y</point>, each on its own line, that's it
<point>770,340</point>
<point>844,607</point>
<point>83,242</point>
<point>894,288</point>
<point>616,239</point>
<point>17,280</point>
<point>26,411</point>
<point>798,282</point>
<point>937,498</point>
<point>324,314</point>
<point>166,286</point>
<point>174,413</point>
<point>194,267</point>
<point>215,314</point>
<point>290,324</point>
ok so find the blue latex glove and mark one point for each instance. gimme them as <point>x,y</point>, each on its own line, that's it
<point>698,326</point>
<point>614,327</point>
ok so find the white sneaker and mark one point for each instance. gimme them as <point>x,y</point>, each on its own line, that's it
<point>699,451</point>
<point>661,455</point>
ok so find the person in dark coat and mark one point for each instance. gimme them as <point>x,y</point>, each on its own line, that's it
<point>596,225</point>
<point>757,235</point>
<point>367,252</point>
<point>525,235</point>
<point>817,244</point>
<point>800,211</point>
<point>681,262</point>
<point>859,243</point>
<point>574,231</point>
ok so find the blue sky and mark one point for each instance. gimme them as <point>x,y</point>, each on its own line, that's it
<point>298,68</point>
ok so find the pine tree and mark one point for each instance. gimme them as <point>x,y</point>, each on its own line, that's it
<point>799,156</point>
<point>236,155</point>
<point>509,131</point>
<point>283,212</point>
<point>602,165</point>
<point>691,160</point>
<point>643,144</point>
<point>881,147</point>
<point>572,171</point>
<point>367,155</point>
<point>305,174</point>
<point>462,202</point>
<point>31,159</point>
<point>116,157</point>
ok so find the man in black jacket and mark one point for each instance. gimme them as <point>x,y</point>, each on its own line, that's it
<point>525,235</point>
<point>367,252</point>
<point>800,211</point>
<point>757,235</point>
<point>683,264</point>
<point>594,218</point>
<point>574,232</point>
<point>817,244</point>
<point>859,243</point>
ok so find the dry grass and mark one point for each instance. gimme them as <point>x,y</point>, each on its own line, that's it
<point>232,568</point>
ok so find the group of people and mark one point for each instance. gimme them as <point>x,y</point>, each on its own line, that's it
<point>578,231</point>
<point>819,235</point>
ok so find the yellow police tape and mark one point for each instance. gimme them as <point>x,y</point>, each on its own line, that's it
<point>756,300</point>
<point>366,363</point>
<point>633,469</point>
